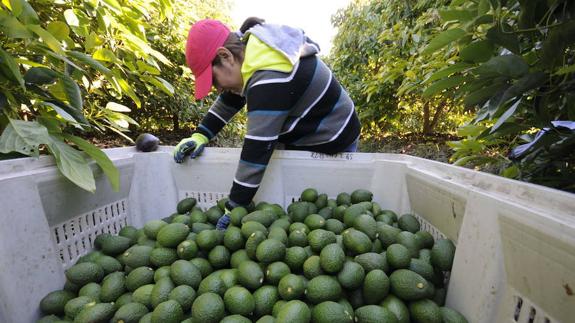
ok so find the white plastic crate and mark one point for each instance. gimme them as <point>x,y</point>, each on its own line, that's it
<point>515,258</point>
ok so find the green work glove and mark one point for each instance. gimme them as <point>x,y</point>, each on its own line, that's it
<point>192,146</point>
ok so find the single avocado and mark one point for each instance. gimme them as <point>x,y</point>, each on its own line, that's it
<point>147,142</point>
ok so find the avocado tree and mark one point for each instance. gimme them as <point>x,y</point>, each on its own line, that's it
<point>71,67</point>
<point>376,57</point>
<point>173,111</point>
<point>513,63</point>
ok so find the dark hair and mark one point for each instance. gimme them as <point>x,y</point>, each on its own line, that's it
<point>250,22</point>
<point>235,44</point>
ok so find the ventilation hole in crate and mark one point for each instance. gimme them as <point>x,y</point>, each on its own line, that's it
<point>518,305</point>
<point>426,226</point>
<point>75,237</point>
<point>532,314</point>
<point>73,228</point>
<point>56,236</point>
<point>547,320</point>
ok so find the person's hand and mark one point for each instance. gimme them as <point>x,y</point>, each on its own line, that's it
<point>192,146</point>
<point>224,220</point>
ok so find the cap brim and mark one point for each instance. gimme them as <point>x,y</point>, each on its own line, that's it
<point>203,83</point>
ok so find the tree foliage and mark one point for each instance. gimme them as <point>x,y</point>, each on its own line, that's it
<point>162,110</point>
<point>514,66</point>
<point>375,56</point>
<point>509,63</point>
<point>68,67</point>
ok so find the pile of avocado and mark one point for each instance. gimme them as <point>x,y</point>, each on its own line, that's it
<point>335,260</point>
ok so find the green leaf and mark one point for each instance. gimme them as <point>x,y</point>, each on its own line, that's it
<point>101,159</point>
<point>72,164</point>
<point>455,68</point>
<point>512,66</point>
<point>77,114</point>
<point>113,106</point>
<point>71,18</point>
<point>113,4</point>
<point>88,60</point>
<point>3,103</point>
<point>23,137</point>
<point>530,12</point>
<point>92,41</point>
<point>483,7</point>
<point>63,59</point>
<point>565,70</point>
<point>119,132</point>
<point>160,83</point>
<point>146,68</point>
<point>40,76</point>
<point>160,57</point>
<point>508,129</point>
<point>10,69</point>
<point>477,52</point>
<point>72,92</point>
<point>526,83</point>
<point>472,130</point>
<point>457,15</point>
<point>496,4</point>
<point>465,160</point>
<point>505,116</point>
<point>47,38</point>
<point>444,84</point>
<point>30,63</point>
<point>119,120</point>
<point>554,47</point>
<point>507,40</point>
<point>443,39</point>
<point>511,172</point>
<point>135,43</point>
<point>65,115</point>
<point>478,21</point>
<point>128,90</point>
<point>13,28</point>
<point>483,94</point>
<point>59,30</point>
<point>570,106</point>
<point>104,55</point>
<point>23,10</point>
<point>93,3</point>
<point>456,3</point>
<point>165,8</point>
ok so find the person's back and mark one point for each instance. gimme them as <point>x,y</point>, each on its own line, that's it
<point>292,98</point>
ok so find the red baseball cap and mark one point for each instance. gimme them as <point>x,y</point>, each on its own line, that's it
<point>204,38</point>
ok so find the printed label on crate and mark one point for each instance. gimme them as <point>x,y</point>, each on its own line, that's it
<point>345,156</point>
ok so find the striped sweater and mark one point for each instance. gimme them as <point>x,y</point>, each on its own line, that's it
<point>305,108</point>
